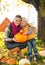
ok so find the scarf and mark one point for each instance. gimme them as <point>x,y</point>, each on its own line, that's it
<point>15,29</point>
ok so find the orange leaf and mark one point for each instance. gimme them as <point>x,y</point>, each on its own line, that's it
<point>11,61</point>
<point>4,60</point>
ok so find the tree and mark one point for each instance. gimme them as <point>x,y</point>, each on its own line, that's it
<point>40,6</point>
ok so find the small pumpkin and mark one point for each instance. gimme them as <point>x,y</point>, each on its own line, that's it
<point>4,60</point>
<point>26,64</point>
<point>11,61</point>
<point>20,37</point>
<point>24,61</point>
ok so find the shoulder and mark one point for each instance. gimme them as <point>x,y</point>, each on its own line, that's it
<point>27,25</point>
<point>8,28</point>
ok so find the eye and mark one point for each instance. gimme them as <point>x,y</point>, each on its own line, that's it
<point>16,20</point>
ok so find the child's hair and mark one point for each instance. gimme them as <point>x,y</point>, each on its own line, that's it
<point>24,19</point>
<point>19,16</point>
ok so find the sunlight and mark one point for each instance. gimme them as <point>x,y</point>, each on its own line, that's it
<point>10,8</point>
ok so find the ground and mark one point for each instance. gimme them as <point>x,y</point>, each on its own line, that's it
<point>4,53</point>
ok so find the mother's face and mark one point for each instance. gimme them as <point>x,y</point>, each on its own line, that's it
<point>17,21</point>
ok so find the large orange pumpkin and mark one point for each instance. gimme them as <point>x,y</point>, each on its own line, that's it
<point>20,37</point>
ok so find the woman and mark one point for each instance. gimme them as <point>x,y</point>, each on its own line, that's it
<point>12,30</point>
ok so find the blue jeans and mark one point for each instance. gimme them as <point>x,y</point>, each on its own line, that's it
<point>32,45</point>
<point>11,45</point>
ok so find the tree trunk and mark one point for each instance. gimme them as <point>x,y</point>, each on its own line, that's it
<point>40,6</point>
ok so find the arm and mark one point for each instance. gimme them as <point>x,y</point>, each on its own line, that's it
<point>7,33</point>
<point>29,31</point>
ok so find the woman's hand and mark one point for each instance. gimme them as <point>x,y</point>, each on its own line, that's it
<point>14,39</point>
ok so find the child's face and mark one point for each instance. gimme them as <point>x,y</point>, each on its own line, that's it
<point>23,22</point>
<point>17,21</point>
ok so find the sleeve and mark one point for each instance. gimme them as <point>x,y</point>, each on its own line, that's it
<point>7,32</point>
<point>29,30</point>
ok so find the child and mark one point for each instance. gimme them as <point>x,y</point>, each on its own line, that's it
<point>31,42</point>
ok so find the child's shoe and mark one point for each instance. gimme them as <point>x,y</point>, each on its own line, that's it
<point>35,58</point>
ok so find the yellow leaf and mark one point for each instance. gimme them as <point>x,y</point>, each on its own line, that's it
<point>16,63</point>
<point>29,6</point>
<point>21,2</point>
<point>1,0</point>
<point>7,4</point>
<point>17,4</point>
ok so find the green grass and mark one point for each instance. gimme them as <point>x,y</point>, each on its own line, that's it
<point>40,61</point>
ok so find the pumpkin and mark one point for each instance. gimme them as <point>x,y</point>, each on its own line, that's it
<point>26,64</point>
<point>4,60</point>
<point>24,61</point>
<point>20,37</point>
<point>11,61</point>
<point>21,31</point>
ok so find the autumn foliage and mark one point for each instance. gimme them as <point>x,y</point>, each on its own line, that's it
<point>4,24</point>
<point>11,61</point>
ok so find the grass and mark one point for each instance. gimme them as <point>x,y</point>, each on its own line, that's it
<point>40,46</point>
<point>40,61</point>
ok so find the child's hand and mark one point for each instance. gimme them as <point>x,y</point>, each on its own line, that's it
<point>25,33</point>
<point>22,31</point>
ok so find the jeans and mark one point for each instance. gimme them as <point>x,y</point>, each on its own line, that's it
<point>32,45</point>
<point>12,45</point>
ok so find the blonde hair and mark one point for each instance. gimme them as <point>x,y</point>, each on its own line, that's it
<point>24,20</point>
